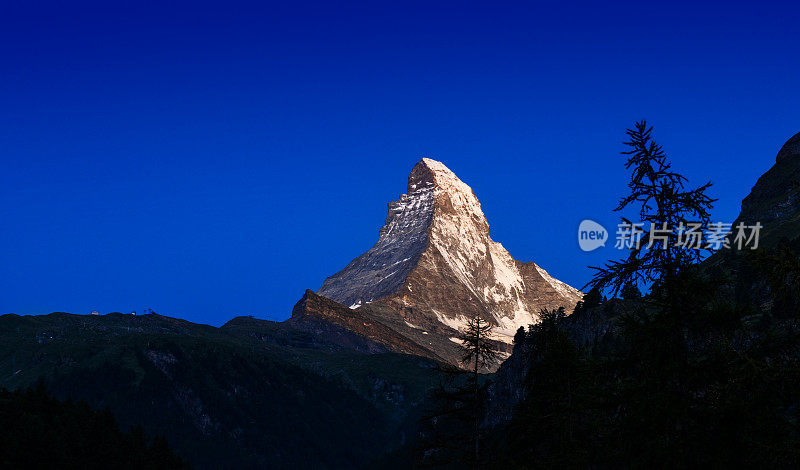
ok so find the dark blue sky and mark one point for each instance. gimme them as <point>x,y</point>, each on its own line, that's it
<point>212,160</point>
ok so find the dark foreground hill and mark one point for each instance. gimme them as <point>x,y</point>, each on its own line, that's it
<point>249,394</point>
<point>38,431</point>
<point>708,377</point>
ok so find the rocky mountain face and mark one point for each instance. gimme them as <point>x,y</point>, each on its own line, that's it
<point>350,328</point>
<point>435,265</point>
<point>774,201</point>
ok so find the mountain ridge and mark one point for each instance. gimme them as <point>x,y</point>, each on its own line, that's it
<point>225,396</point>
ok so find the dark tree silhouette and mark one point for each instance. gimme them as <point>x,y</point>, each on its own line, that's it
<point>664,206</point>
<point>478,352</point>
<point>630,291</point>
<point>40,431</point>
<point>519,336</point>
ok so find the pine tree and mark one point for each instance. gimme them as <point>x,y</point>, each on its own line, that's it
<point>478,353</point>
<point>663,203</point>
<point>592,299</point>
<point>630,291</point>
<point>519,336</point>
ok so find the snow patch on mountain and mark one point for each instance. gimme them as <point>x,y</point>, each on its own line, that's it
<point>560,287</point>
<point>456,322</point>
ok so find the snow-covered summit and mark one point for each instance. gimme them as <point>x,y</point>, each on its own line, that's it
<point>435,264</point>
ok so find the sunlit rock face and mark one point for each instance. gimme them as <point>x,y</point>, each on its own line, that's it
<point>435,265</point>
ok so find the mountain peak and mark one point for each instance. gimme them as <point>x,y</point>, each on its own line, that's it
<point>435,266</point>
<point>428,172</point>
<point>451,195</point>
<point>437,168</point>
<point>432,165</point>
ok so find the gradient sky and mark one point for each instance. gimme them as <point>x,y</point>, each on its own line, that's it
<point>209,160</point>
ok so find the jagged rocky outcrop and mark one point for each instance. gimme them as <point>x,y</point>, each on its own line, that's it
<point>774,201</point>
<point>435,265</point>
